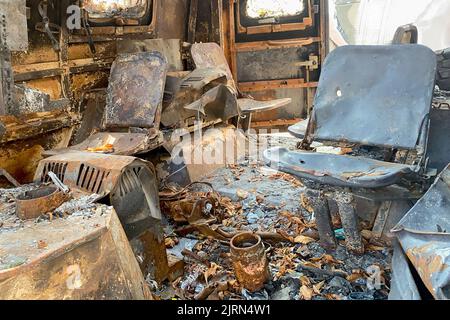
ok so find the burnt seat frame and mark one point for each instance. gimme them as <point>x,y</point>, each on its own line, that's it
<point>211,55</point>
<point>133,106</point>
<point>374,96</point>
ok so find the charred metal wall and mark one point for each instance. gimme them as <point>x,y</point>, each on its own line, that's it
<point>69,73</point>
<point>75,68</point>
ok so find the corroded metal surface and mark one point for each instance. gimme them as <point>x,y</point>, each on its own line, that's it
<point>424,235</point>
<point>249,261</point>
<point>86,257</point>
<point>347,211</point>
<point>32,204</point>
<point>130,184</point>
<point>15,24</point>
<point>319,202</point>
<point>194,88</point>
<point>210,55</point>
<point>136,89</point>
<point>122,144</point>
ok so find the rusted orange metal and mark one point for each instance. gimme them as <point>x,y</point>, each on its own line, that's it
<point>249,261</point>
<point>85,257</point>
<point>32,204</point>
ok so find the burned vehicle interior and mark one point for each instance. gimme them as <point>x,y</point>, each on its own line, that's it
<point>219,150</point>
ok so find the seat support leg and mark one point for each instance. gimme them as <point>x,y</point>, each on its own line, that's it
<point>319,203</point>
<point>347,212</point>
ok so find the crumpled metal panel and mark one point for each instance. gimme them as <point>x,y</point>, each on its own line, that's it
<point>403,286</point>
<point>130,184</point>
<point>424,234</point>
<point>210,55</point>
<point>191,90</point>
<point>345,171</point>
<point>135,91</point>
<point>217,103</point>
<point>81,258</point>
<point>375,95</point>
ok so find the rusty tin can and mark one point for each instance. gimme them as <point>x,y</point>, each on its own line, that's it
<point>32,204</point>
<point>250,262</point>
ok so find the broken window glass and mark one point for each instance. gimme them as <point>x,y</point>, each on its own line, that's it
<point>257,9</point>
<point>130,9</point>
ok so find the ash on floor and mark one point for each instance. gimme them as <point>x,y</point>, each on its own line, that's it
<point>269,201</point>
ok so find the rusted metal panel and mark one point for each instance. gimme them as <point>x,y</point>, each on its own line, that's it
<point>25,139</point>
<point>130,184</point>
<point>275,64</point>
<point>122,144</point>
<point>28,100</point>
<point>425,239</point>
<point>210,55</point>
<point>170,48</point>
<point>35,124</point>
<point>198,89</point>
<point>135,91</point>
<point>84,257</point>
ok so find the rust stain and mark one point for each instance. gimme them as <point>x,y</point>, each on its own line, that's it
<point>249,261</point>
<point>426,264</point>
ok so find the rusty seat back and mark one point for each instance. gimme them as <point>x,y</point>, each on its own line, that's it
<point>135,91</point>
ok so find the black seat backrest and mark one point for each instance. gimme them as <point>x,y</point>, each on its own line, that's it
<point>135,90</point>
<point>438,149</point>
<point>375,95</point>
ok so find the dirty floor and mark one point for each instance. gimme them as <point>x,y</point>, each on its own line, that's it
<point>259,199</point>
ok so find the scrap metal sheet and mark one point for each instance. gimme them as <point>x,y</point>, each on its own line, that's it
<point>424,234</point>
